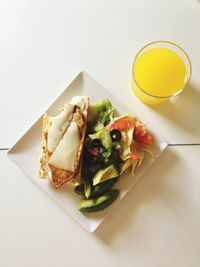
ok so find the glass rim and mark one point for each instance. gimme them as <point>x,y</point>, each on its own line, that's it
<point>162,42</point>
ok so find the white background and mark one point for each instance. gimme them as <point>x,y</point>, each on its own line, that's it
<point>43,45</point>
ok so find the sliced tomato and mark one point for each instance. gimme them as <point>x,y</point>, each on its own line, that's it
<point>134,156</point>
<point>141,135</point>
<point>136,145</point>
<point>130,122</point>
<point>122,124</point>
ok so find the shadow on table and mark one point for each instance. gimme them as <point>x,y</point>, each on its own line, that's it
<point>183,110</point>
<point>151,186</point>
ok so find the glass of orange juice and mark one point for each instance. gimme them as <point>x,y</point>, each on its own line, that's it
<point>160,70</point>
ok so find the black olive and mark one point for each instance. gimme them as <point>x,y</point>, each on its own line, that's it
<point>115,135</point>
<point>96,142</point>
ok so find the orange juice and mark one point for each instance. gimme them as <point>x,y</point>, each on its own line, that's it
<point>159,73</point>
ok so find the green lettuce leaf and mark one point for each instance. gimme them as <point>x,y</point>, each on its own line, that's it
<point>106,140</point>
<point>102,112</point>
<point>125,143</point>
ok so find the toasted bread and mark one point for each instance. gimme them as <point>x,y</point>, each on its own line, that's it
<point>57,175</point>
<point>60,176</point>
<point>44,171</point>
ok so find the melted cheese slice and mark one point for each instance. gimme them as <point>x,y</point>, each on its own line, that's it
<point>57,127</point>
<point>65,154</point>
<point>82,102</point>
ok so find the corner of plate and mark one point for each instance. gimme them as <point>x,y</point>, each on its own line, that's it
<point>9,153</point>
<point>83,73</point>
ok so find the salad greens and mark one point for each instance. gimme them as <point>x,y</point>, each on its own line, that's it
<point>101,111</point>
<point>113,145</point>
<point>106,141</point>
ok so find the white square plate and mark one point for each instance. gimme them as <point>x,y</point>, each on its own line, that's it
<point>25,153</point>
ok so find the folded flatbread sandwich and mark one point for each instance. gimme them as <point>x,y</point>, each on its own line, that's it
<point>62,142</point>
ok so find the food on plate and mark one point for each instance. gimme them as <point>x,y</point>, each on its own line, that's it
<point>99,203</point>
<point>62,142</point>
<point>92,146</point>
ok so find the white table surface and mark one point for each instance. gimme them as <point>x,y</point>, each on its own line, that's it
<point>44,44</point>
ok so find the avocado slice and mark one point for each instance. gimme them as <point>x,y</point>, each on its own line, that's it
<point>87,191</point>
<point>101,188</point>
<point>105,174</point>
<point>79,189</point>
<point>87,188</point>
<point>99,203</point>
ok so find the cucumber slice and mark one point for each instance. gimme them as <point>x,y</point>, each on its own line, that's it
<point>101,188</point>
<point>99,203</point>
